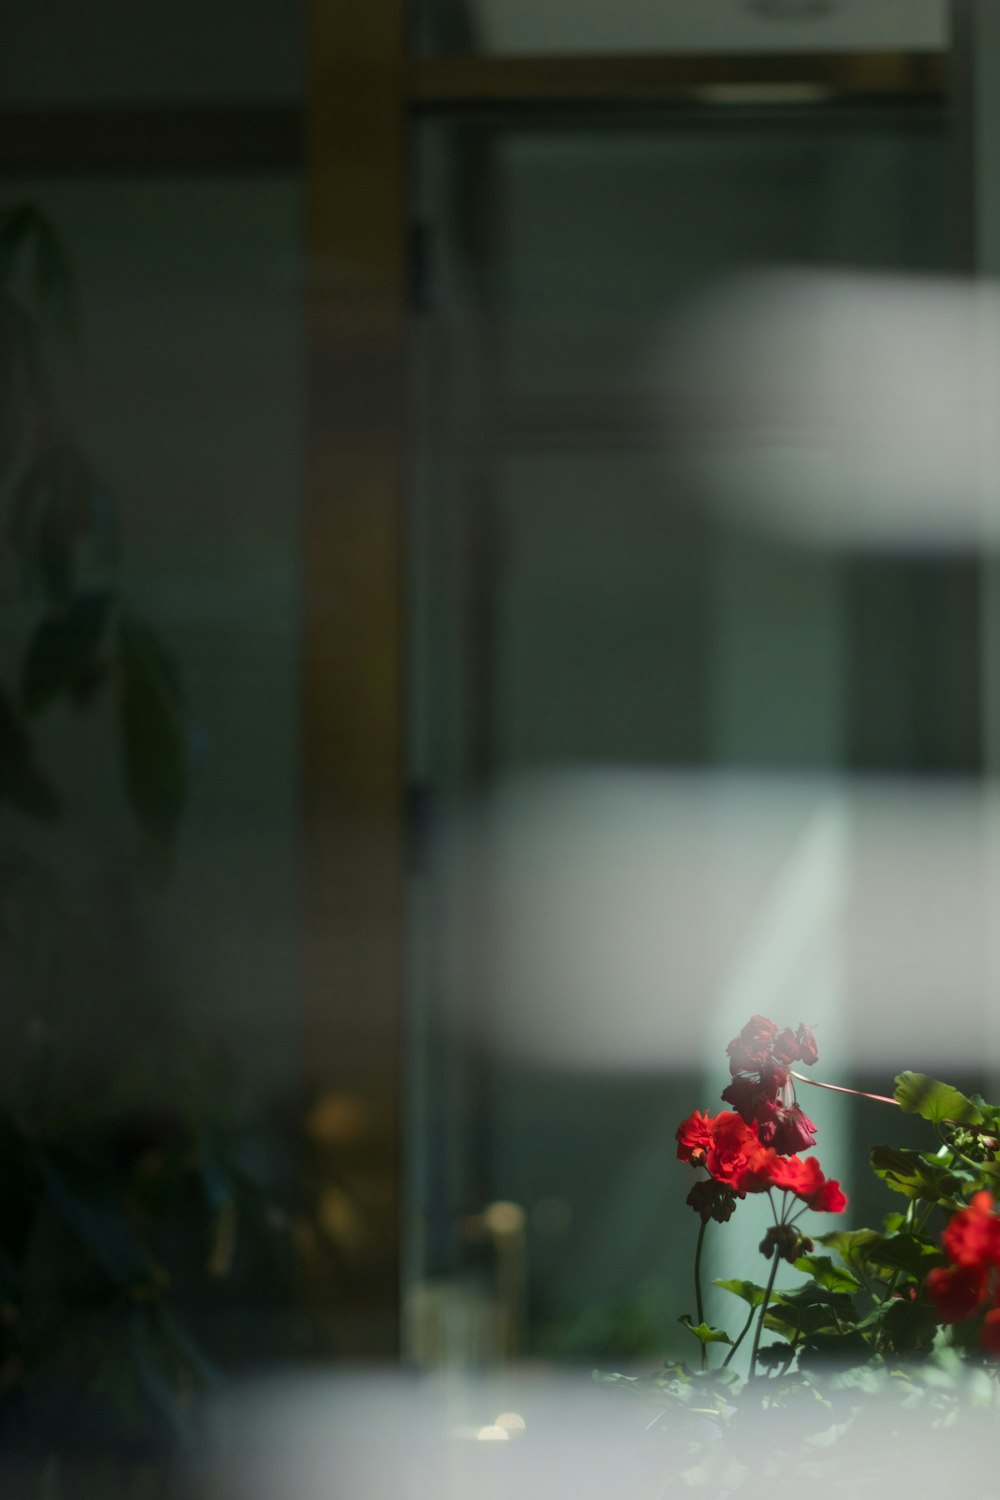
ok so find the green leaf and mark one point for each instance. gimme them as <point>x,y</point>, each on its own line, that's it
<point>747,1291</point>
<point>914,1175</point>
<point>153,734</point>
<point>908,1253</point>
<point>33,257</point>
<point>846,1348</point>
<point>852,1245</point>
<point>826,1274</point>
<point>63,656</point>
<point>703,1332</point>
<point>772,1355</point>
<point>918,1094</point>
<point>21,782</point>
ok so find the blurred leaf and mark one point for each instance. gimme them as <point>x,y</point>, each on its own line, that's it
<point>845,1348</point>
<point>826,1274</point>
<point>852,1245</point>
<point>920,1095</point>
<point>99,1223</point>
<point>908,1253</point>
<point>186,1348</point>
<point>153,734</point>
<point>33,257</point>
<point>703,1332</point>
<point>21,782</point>
<point>911,1173</point>
<point>747,1291</point>
<point>156,1367</point>
<point>63,654</point>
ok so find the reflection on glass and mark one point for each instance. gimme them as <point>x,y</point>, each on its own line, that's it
<point>592,26</point>
<point>644,715</point>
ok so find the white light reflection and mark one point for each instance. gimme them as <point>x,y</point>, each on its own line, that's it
<point>625,920</point>
<point>368,1438</point>
<point>844,409</point>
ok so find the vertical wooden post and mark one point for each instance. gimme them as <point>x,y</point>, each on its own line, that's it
<point>352,675</point>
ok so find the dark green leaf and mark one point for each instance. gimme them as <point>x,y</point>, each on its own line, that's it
<point>852,1245</point>
<point>909,1326</point>
<point>908,1253</point>
<point>914,1175</point>
<point>153,733</point>
<point>920,1095</point>
<point>826,1274</point>
<point>846,1348</point>
<point>703,1332</point>
<point>63,655</point>
<point>748,1291</point>
<point>772,1355</point>
<point>21,782</point>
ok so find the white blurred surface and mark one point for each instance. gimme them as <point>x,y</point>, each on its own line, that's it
<point>394,1438</point>
<point>634,919</point>
<point>846,409</point>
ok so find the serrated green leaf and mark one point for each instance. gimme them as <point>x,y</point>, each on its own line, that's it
<point>914,1175</point>
<point>703,1332</point>
<point>918,1094</point>
<point>747,1291</point>
<point>908,1253</point>
<point>852,1245</point>
<point>826,1274</point>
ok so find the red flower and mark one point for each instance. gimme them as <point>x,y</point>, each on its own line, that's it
<point>990,1337</point>
<point>788,1130</point>
<point>694,1137</point>
<point>785,1046</point>
<point>807,1044</point>
<point>803,1176</point>
<point>956,1291</point>
<point>751,1099</point>
<point>751,1050</point>
<point>972,1237</point>
<point>972,1243</point>
<point>735,1152</point>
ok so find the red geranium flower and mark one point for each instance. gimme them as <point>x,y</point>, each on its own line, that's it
<point>990,1337</point>
<point>749,1051</point>
<point>788,1130</point>
<point>803,1176</point>
<point>956,1291</point>
<point>694,1137</point>
<point>972,1243</point>
<point>972,1237</point>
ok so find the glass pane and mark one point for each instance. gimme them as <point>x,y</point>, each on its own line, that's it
<point>111,53</point>
<point>648,717</point>
<point>151,641</point>
<point>582,26</point>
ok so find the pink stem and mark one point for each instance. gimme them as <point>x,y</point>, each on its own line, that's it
<point>838,1088</point>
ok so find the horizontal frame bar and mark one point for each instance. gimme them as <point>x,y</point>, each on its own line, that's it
<point>253,138</point>
<point>443,83</point>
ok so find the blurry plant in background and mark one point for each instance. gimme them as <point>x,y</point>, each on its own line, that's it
<point>62,539</point>
<point>122,1184</point>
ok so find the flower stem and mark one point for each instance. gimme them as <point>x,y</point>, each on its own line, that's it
<point>838,1088</point>
<point>763,1313</point>
<point>742,1335</point>
<point>699,1304</point>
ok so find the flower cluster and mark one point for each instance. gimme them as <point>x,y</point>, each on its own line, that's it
<point>762,1092</point>
<point>972,1280</point>
<point>751,1148</point>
